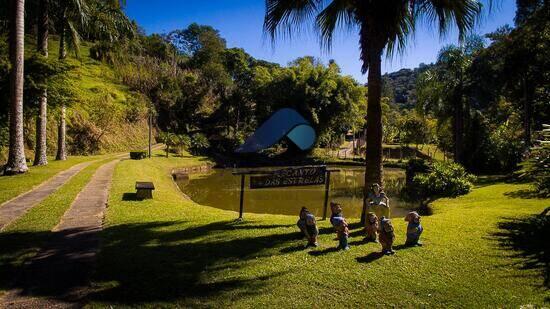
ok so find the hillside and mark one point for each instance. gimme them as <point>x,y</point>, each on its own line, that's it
<point>401,85</point>
<point>104,116</point>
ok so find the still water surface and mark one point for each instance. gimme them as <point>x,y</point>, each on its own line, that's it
<point>220,189</point>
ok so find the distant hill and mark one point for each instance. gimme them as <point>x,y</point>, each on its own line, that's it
<point>400,86</point>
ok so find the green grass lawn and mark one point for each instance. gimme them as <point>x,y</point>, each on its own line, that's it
<point>172,252</point>
<point>24,237</point>
<point>12,186</point>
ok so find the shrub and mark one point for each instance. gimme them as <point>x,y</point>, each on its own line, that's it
<point>83,136</point>
<point>415,166</point>
<point>169,139</point>
<point>103,51</point>
<point>183,142</point>
<point>199,144</point>
<point>445,179</point>
<point>138,155</point>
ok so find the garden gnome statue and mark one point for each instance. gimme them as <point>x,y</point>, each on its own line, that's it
<point>342,232</point>
<point>414,229</point>
<point>386,236</point>
<point>371,227</point>
<point>312,230</point>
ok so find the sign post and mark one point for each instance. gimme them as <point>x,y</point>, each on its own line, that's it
<point>241,205</point>
<point>287,177</point>
<point>327,189</point>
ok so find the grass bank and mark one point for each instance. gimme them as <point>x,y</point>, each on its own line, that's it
<point>172,252</point>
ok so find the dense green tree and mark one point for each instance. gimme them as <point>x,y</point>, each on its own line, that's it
<point>516,65</point>
<point>442,89</point>
<point>526,8</point>
<point>415,129</point>
<point>535,168</point>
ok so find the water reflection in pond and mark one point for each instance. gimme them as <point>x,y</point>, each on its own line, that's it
<point>221,189</point>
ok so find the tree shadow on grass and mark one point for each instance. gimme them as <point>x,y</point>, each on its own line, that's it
<point>139,263</point>
<point>527,239</point>
<point>15,247</point>
<point>149,263</point>
<point>488,180</point>
<point>55,265</point>
<point>371,257</point>
<point>361,241</point>
<point>524,194</point>
<point>324,251</point>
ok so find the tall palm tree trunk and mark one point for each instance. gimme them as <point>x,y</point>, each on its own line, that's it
<point>16,158</point>
<point>62,34</point>
<point>373,170</point>
<point>40,154</point>
<point>61,129</point>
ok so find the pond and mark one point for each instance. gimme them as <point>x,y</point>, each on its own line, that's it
<point>221,189</point>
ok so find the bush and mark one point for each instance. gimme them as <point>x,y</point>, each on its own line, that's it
<point>444,179</point>
<point>199,144</point>
<point>415,166</point>
<point>138,155</point>
<point>83,136</point>
<point>183,142</point>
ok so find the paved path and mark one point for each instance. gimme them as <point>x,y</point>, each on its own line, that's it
<point>58,276</point>
<point>15,208</point>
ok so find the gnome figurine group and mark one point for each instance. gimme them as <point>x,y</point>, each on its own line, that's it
<point>376,229</point>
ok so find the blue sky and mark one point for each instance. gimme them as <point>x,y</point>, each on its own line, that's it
<point>240,23</point>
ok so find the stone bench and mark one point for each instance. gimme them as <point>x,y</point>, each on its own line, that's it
<point>144,190</point>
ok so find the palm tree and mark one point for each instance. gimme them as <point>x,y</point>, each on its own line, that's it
<point>98,19</point>
<point>40,154</point>
<point>16,158</point>
<point>73,14</point>
<point>108,22</point>
<point>383,26</point>
<point>442,88</point>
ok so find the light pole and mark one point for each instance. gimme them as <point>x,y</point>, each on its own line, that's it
<point>150,120</point>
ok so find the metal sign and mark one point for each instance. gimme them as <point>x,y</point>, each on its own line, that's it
<point>290,177</point>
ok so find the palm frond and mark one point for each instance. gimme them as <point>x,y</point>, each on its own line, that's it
<point>401,29</point>
<point>339,13</point>
<point>79,10</point>
<point>282,17</point>
<point>73,39</point>
<point>465,14</point>
<point>108,22</point>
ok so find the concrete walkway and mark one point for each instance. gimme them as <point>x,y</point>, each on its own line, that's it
<point>15,208</point>
<point>58,276</point>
